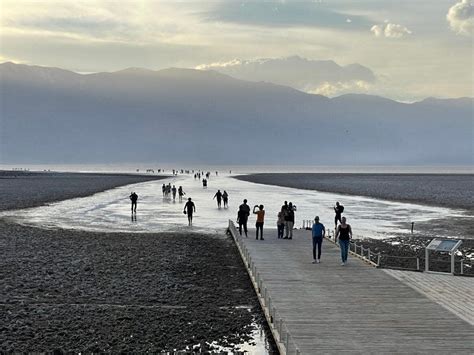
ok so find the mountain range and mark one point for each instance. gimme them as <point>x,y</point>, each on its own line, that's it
<point>50,115</point>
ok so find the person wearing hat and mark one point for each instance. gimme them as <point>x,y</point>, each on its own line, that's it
<point>318,232</point>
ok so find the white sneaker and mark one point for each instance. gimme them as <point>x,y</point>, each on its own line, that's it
<point>343,263</point>
<point>318,261</point>
<point>314,262</point>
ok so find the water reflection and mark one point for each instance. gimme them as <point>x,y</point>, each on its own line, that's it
<point>109,211</point>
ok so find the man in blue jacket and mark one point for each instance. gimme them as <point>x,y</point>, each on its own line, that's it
<point>318,232</point>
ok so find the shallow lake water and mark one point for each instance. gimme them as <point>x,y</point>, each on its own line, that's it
<point>110,210</point>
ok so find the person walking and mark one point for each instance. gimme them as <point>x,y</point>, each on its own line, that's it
<point>163,189</point>
<point>338,209</point>
<point>134,199</point>
<point>289,221</point>
<point>344,234</point>
<point>318,232</point>
<point>189,209</point>
<point>218,195</point>
<point>174,190</point>
<point>204,183</point>
<point>260,220</point>
<point>281,222</point>
<point>181,193</point>
<point>242,217</point>
<point>225,199</point>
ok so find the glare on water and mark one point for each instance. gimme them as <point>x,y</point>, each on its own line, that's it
<point>109,211</point>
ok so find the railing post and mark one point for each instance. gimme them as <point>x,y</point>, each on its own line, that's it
<point>462,266</point>
<point>280,327</point>
<point>417,264</point>
<point>287,341</point>
<point>378,259</point>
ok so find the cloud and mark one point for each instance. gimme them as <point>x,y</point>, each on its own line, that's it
<point>341,88</point>
<point>390,30</point>
<point>299,73</point>
<point>461,17</point>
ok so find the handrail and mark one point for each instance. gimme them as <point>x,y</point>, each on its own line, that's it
<point>277,325</point>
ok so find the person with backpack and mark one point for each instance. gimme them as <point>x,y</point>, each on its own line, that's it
<point>242,217</point>
<point>338,209</point>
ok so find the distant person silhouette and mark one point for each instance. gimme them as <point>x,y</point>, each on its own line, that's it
<point>218,195</point>
<point>260,220</point>
<point>181,193</point>
<point>289,221</point>
<point>189,209</point>
<point>134,199</point>
<point>173,190</point>
<point>338,209</point>
<point>243,216</point>
<point>281,222</point>
<point>163,189</point>
<point>204,183</point>
<point>225,198</point>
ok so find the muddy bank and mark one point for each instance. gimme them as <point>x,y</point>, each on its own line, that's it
<point>29,189</point>
<point>447,190</point>
<point>109,292</point>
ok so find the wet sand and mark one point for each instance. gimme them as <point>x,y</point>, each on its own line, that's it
<point>79,291</point>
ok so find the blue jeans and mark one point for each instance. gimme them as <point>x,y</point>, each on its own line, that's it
<point>344,244</point>
<point>281,229</point>
<point>317,242</point>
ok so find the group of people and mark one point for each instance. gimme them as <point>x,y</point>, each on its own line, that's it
<point>222,197</point>
<point>168,190</point>
<point>285,220</point>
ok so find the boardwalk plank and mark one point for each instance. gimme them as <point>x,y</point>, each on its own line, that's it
<point>355,308</point>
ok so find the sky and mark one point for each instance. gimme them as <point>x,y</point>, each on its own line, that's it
<point>415,48</point>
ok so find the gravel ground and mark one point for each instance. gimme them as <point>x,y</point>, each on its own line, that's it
<point>75,291</point>
<point>401,253</point>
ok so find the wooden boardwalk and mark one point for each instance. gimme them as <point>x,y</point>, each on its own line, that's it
<point>328,308</point>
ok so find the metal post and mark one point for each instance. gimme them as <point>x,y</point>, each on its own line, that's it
<point>427,262</point>
<point>280,327</point>
<point>462,267</point>
<point>452,263</point>
<point>417,264</point>
<point>378,259</point>
<point>287,341</point>
<point>412,225</point>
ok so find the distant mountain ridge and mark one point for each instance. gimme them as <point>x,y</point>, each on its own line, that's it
<point>51,115</point>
